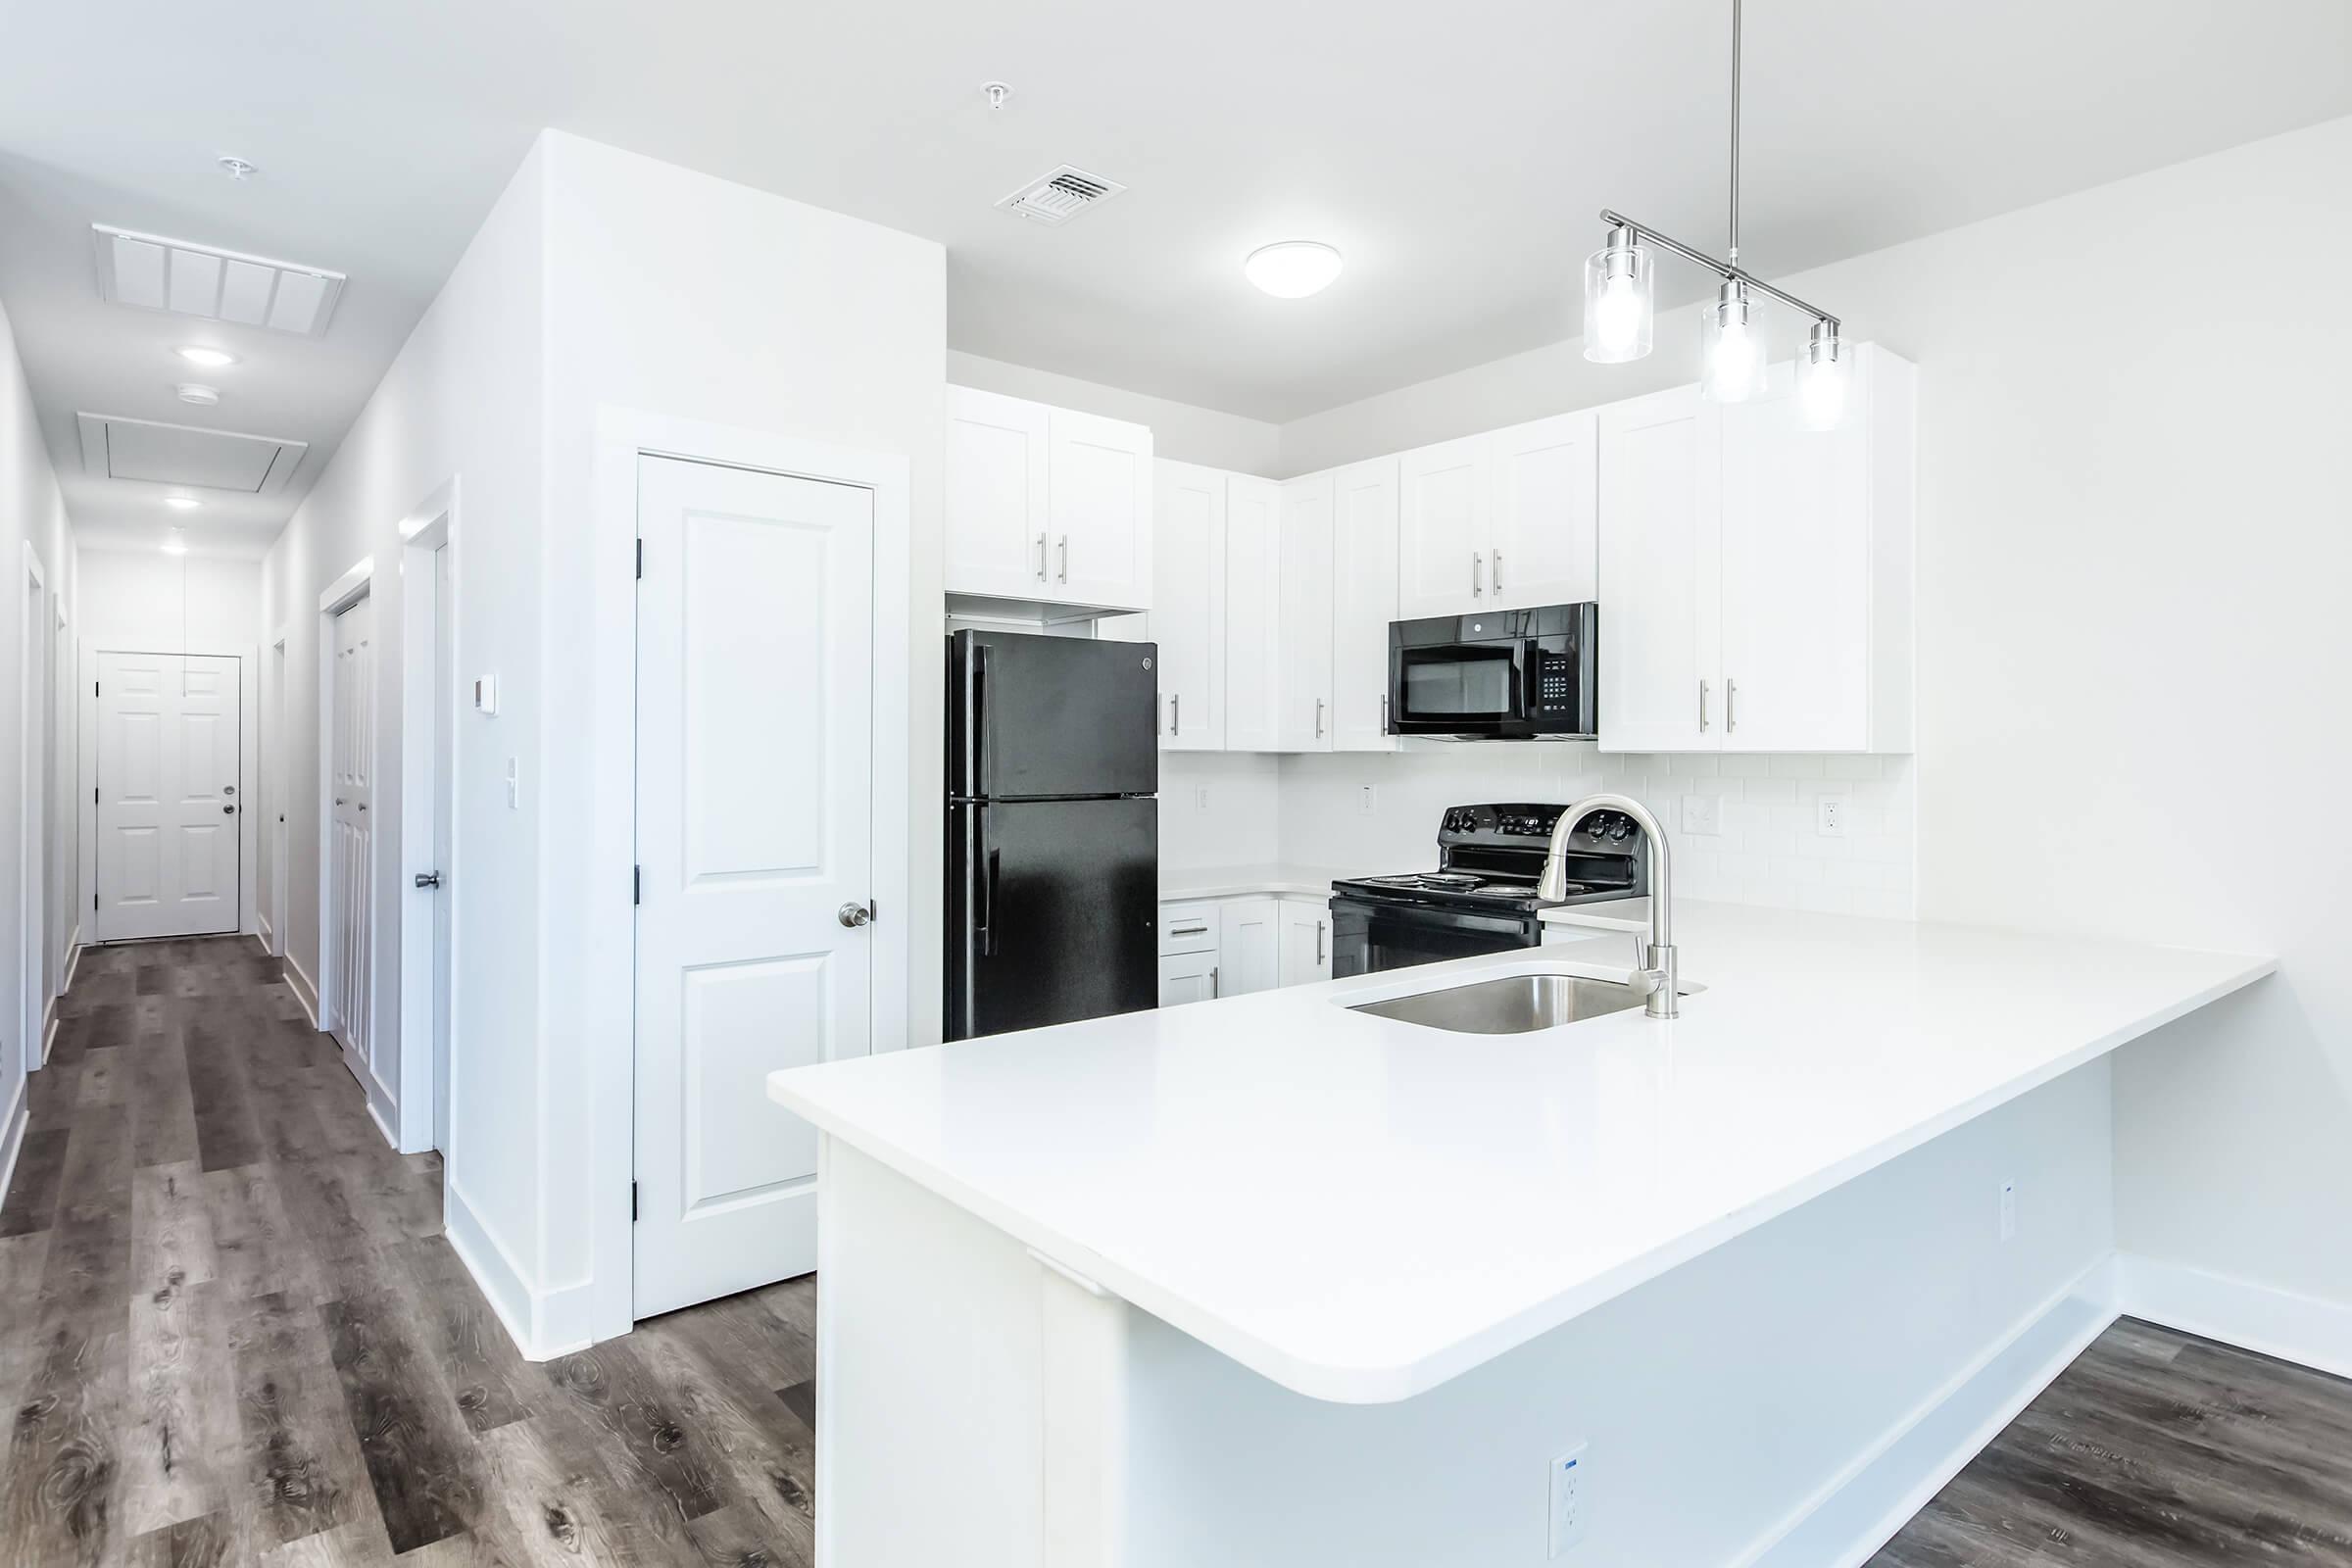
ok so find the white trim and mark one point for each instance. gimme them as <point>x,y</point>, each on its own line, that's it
<point>354,584</point>
<point>266,934</point>
<point>73,968</point>
<point>281,791</point>
<point>432,525</point>
<point>608,967</point>
<point>2303,1329</point>
<point>542,1328</point>
<point>12,1132</point>
<point>36,773</point>
<point>304,989</point>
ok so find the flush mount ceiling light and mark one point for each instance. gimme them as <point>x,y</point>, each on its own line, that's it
<point>175,543</point>
<point>209,359</point>
<point>182,503</point>
<point>1293,269</point>
<point>1620,302</point>
<point>191,392</point>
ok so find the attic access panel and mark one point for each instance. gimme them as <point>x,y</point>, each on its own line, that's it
<point>151,452</point>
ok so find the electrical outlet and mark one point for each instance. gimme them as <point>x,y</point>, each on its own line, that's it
<point>1567,1499</point>
<point>1199,797</point>
<point>1830,817</point>
<point>1363,800</point>
<point>1702,814</point>
<point>2008,1210</point>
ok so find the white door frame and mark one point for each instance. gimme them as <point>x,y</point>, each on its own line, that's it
<point>33,766</point>
<point>423,686</point>
<point>62,779</point>
<point>339,596</point>
<point>610,973</point>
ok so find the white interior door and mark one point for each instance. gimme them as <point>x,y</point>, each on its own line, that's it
<point>168,802</point>
<point>755,842</point>
<point>445,738</point>
<point>350,835</point>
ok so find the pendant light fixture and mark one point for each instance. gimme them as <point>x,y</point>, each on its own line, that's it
<point>1621,304</point>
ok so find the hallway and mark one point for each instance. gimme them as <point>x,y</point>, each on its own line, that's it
<point>231,1331</point>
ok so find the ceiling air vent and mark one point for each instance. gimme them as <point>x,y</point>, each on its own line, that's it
<point>117,448</point>
<point>1061,196</point>
<point>156,274</point>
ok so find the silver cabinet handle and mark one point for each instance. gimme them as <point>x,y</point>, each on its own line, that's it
<point>1065,558</point>
<point>1478,564</point>
<point>1318,944</point>
<point>853,915</point>
<point>1498,572</point>
<point>1731,706</point>
<point>1318,718</point>
<point>1040,558</point>
<point>1703,708</point>
<point>1384,713</point>
<point>1189,931</point>
<point>1176,714</point>
<point>1212,982</point>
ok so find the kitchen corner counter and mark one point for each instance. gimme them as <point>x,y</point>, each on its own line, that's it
<point>1239,881</point>
<point>1360,1208</point>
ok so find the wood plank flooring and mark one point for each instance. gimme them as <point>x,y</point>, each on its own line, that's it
<point>231,1332</point>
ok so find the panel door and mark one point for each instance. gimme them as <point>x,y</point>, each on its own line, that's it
<point>1252,612</point>
<point>1795,577</point>
<point>1441,529</point>
<point>1363,603</point>
<point>1304,678</point>
<point>996,495</point>
<point>1188,977</point>
<point>349,927</point>
<point>1544,546</point>
<point>1188,605</point>
<point>1305,953</point>
<point>1098,505</point>
<point>755,830</point>
<point>1660,464</point>
<point>169,808</point>
<point>1248,946</point>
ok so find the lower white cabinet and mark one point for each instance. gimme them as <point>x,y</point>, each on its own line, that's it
<point>1188,977</point>
<point>1212,948</point>
<point>1249,950</point>
<point>1305,955</point>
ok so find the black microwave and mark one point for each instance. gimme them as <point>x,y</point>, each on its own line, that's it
<point>1502,674</point>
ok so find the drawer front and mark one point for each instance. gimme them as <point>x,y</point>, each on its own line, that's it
<point>1187,927</point>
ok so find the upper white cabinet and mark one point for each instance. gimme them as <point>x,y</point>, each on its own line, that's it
<point>1252,617</point>
<point>1500,521</point>
<point>1363,600</point>
<point>1302,677</point>
<point>1045,504</point>
<point>1756,590</point>
<point>1188,609</point>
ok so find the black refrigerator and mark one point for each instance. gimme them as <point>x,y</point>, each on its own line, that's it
<point>1052,830</point>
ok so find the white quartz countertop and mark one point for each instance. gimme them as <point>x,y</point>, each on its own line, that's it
<point>1611,914</point>
<point>1360,1208</point>
<point>1231,881</point>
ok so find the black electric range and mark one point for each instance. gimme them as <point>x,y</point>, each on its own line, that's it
<point>1482,896</point>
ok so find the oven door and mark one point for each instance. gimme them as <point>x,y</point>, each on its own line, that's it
<point>1458,688</point>
<point>1368,938</point>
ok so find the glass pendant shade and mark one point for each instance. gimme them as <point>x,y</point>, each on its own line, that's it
<point>1732,350</point>
<point>1620,300</point>
<point>1825,372</point>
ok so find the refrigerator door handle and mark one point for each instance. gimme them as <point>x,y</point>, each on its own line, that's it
<point>975,709</point>
<point>983,863</point>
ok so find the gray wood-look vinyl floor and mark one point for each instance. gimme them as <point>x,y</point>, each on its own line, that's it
<point>231,1332</point>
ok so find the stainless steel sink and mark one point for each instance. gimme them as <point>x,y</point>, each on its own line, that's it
<point>1511,1005</point>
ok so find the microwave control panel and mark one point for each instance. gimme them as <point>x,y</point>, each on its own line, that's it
<point>1555,682</point>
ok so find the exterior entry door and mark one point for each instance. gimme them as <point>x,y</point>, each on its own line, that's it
<point>168,795</point>
<point>754,844</point>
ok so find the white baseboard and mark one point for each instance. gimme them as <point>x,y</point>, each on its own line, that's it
<point>304,989</point>
<point>48,1034</point>
<point>263,934</point>
<point>542,1327</point>
<point>12,1133</point>
<point>2303,1329</point>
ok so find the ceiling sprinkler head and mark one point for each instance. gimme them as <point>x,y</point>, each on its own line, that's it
<point>236,169</point>
<point>996,92</point>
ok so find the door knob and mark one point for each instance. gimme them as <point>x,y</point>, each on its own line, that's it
<point>228,811</point>
<point>853,915</point>
<point>429,879</point>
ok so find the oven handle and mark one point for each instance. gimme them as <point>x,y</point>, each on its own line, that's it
<point>1428,917</point>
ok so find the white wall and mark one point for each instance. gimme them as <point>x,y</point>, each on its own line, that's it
<point>1183,431</point>
<point>1218,808</point>
<point>37,786</point>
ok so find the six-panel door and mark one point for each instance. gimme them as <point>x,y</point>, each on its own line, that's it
<point>168,805</point>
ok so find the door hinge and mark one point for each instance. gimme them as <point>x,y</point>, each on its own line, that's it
<point>93,901</point>
<point>632,1203</point>
<point>93,795</point>
<point>640,558</point>
<point>93,688</point>
<point>636,884</point>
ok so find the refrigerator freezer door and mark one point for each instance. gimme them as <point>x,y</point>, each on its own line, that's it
<point>1050,911</point>
<point>1029,716</point>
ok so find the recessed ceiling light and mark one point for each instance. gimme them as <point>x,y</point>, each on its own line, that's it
<point>1294,269</point>
<point>182,503</point>
<point>175,543</point>
<point>191,392</point>
<point>209,359</point>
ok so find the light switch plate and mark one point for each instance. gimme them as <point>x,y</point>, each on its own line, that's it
<point>485,694</point>
<point>1702,814</point>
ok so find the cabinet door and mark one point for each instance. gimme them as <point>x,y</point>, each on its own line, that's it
<point>995,520</point>
<point>1796,643</point>
<point>1248,946</point>
<point>1306,942</point>
<point>1252,613</point>
<point>1544,548</point>
<point>1363,596</point>
<point>1303,681</point>
<point>1188,605</point>
<point>1098,511</point>
<point>1441,529</point>
<point>1660,687</point>
<point>1188,977</point>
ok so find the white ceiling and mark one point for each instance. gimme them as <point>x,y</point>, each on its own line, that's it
<point>1455,152</point>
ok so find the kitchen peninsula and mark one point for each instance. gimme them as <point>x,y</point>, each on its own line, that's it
<point>1201,1284</point>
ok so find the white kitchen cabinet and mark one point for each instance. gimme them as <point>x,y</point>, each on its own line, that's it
<point>1188,605</point>
<point>996,512</point>
<point>1188,977</point>
<point>1098,510</point>
<point>1756,590</point>
<point>1363,595</point>
<point>1252,618</point>
<point>1441,529</point>
<point>1302,677</point>
<point>1305,954</point>
<point>1248,946</point>
<point>1542,539</point>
